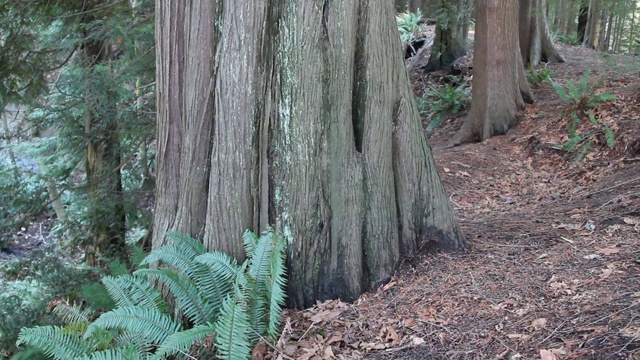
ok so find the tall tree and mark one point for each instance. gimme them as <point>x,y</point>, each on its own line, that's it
<point>300,116</point>
<point>500,87</point>
<point>535,37</point>
<point>452,28</point>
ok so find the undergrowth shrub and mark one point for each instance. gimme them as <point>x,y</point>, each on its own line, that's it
<point>444,100</point>
<point>19,199</point>
<point>28,285</point>
<point>583,99</point>
<point>240,304</point>
<point>536,77</point>
<point>409,25</point>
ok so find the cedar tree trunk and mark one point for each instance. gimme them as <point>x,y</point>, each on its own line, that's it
<point>535,39</point>
<point>451,33</point>
<point>299,115</point>
<point>500,88</point>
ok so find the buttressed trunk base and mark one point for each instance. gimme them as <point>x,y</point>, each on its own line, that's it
<point>302,119</point>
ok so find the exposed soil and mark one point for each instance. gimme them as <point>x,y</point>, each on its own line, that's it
<point>553,269</point>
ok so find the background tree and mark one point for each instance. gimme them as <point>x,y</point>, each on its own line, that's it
<point>535,39</point>
<point>452,28</point>
<point>74,70</point>
<point>300,116</point>
<point>500,88</point>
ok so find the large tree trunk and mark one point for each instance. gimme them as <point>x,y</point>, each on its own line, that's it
<point>297,115</point>
<point>451,33</point>
<point>535,38</point>
<point>500,88</point>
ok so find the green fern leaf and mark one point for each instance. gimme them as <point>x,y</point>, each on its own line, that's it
<point>183,340</point>
<point>233,330</point>
<point>128,290</point>
<point>151,323</point>
<point>562,93</point>
<point>184,290</point>
<point>53,342</point>
<point>250,240</point>
<point>173,256</point>
<point>215,279</point>
<point>609,136</point>
<point>277,286</point>
<point>71,314</point>
<point>128,353</point>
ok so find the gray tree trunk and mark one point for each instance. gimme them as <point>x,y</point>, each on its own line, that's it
<point>500,88</point>
<point>451,33</point>
<point>298,115</point>
<point>535,37</point>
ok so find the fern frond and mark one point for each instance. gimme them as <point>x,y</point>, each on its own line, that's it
<point>71,313</point>
<point>233,329</point>
<point>139,342</point>
<point>185,292</point>
<point>187,244</point>
<point>250,240</point>
<point>129,290</point>
<point>183,340</point>
<point>259,261</point>
<point>277,286</point>
<point>53,342</point>
<point>562,93</point>
<point>150,323</point>
<point>215,279</point>
<point>172,256</point>
<point>128,353</point>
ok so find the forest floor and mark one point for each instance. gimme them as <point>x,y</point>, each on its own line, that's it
<point>553,268</point>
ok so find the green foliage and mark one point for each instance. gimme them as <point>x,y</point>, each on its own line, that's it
<point>445,100</point>
<point>567,39</point>
<point>241,304</point>
<point>582,99</point>
<point>19,198</point>
<point>409,25</point>
<point>27,286</point>
<point>536,77</point>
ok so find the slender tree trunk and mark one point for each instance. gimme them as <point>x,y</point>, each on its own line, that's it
<point>499,85</point>
<point>7,136</point>
<point>602,37</point>
<point>607,39</point>
<point>297,115</point>
<point>593,25</point>
<point>104,182</point>
<point>535,38</point>
<point>632,43</point>
<point>583,17</point>
<point>451,33</point>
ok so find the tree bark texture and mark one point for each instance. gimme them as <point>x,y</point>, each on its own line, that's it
<point>583,17</point>
<point>535,37</point>
<point>451,33</point>
<point>500,88</point>
<point>298,115</point>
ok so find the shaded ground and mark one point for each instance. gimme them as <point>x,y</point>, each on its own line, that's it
<point>553,271</point>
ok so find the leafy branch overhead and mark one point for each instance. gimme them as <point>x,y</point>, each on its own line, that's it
<point>238,305</point>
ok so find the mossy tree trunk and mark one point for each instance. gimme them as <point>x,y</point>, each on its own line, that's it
<point>299,115</point>
<point>500,87</point>
<point>451,33</point>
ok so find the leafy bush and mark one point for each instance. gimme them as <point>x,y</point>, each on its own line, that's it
<point>582,99</point>
<point>241,304</point>
<point>19,198</point>
<point>444,100</point>
<point>537,77</point>
<point>409,25</point>
<point>27,286</point>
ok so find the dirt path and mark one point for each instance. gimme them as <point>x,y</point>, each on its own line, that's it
<point>553,271</point>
